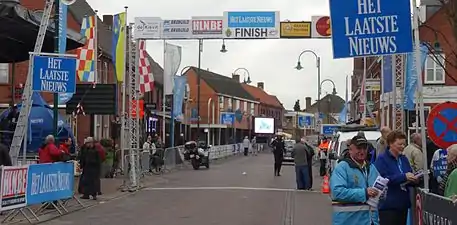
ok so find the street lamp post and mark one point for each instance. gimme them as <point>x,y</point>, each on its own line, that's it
<point>318,65</point>
<point>329,100</point>
<point>246,81</point>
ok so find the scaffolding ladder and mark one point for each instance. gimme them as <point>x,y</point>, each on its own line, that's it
<point>23,119</point>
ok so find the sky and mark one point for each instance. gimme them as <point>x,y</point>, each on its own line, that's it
<point>269,61</point>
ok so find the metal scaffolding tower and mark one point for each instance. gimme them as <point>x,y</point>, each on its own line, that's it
<point>22,123</point>
<point>399,90</point>
<point>133,113</point>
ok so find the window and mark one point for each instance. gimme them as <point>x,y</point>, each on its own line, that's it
<point>221,102</point>
<point>4,73</point>
<point>245,106</point>
<point>434,73</point>
<point>237,106</point>
<point>252,108</point>
<point>230,103</point>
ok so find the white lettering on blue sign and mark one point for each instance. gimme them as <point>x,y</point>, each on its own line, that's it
<point>367,27</point>
<point>54,74</point>
<point>251,19</point>
<point>45,183</point>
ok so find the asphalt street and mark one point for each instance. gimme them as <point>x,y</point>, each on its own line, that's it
<point>239,191</point>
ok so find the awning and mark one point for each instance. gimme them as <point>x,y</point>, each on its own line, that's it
<point>18,32</point>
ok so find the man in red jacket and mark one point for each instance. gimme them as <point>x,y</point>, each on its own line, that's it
<point>65,146</point>
<point>49,153</point>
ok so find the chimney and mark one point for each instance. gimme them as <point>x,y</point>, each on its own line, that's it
<point>260,85</point>
<point>307,103</point>
<point>236,77</point>
<point>108,21</point>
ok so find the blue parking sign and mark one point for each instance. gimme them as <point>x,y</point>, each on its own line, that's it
<point>370,27</point>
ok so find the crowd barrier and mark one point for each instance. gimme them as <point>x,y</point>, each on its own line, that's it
<point>431,209</point>
<point>28,190</point>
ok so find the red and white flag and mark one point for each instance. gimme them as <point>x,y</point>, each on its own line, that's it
<point>144,69</point>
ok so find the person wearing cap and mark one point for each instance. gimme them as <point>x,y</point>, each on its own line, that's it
<point>90,161</point>
<point>351,186</point>
<point>371,156</point>
<point>393,165</point>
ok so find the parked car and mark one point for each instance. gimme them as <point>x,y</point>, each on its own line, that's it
<point>289,144</point>
<point>339,141</point>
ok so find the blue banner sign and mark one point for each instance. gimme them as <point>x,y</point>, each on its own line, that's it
<point>370,27</point>
<point>251,25</point>
<point>411,77</point>
<point>49,182</point>
<point>227,118</point>
<point>329,129</point>
<point>179,90</point>
<point>54,74</point>
<point>304,121</point>
<point>387,75</point>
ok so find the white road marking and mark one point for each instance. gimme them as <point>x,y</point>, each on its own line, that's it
<point>227,188</point>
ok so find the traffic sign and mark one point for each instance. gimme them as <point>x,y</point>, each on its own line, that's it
<point>442,124</point>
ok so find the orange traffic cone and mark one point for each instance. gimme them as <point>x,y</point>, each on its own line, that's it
<point>325,185</point>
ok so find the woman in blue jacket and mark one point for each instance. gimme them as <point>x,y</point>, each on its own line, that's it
<point>393,165</point>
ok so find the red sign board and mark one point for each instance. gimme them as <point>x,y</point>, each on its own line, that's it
<point>140,107</point>
<point>442,124</point>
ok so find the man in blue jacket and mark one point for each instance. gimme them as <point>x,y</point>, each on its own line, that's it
<point>351,186</point>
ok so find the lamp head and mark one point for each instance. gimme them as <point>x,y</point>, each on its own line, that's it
<point>334,91</point>
<point>68,2</point>
<point>299,67</point>
<point>223,49</point>
<point>249,80</point>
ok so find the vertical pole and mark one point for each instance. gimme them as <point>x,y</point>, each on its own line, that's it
<point>363,92</point>
<point>164,99</point>
<point>56,50</point>
<point>123,141</point>
<point>172,118</point>
<point>420,88</point>
<point>96,117</point>
<point>200,49</point>
<point>318,59</point>
<point>393,115</point>
<point>383,102</point>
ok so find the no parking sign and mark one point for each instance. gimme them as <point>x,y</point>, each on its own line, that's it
<point>442,124</point>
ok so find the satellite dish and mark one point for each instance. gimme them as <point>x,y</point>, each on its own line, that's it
<point>68,2</point>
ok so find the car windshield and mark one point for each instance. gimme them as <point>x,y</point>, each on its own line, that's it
<point>343,145</point>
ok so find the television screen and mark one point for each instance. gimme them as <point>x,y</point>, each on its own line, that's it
<point>264,125</point>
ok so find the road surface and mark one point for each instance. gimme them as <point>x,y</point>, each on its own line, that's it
<point>222,195</point>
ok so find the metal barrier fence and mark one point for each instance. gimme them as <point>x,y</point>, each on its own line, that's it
<point>432,209</point>
<point>170,159</point>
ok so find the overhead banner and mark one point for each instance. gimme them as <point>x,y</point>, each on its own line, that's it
<point>295,30</point>
<point>251,25</point>
<point>148,28</point>
<point>361,28</point>
<point>177,29</point>
<point>207,27</point>
<point>320,27</point>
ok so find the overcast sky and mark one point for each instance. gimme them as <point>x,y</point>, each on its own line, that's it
<point>269,61</point>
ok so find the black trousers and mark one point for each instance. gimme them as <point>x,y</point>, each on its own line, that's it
<point>246,151</point>
<point>278,164</point>
<point>393,217</point>
<point>310,170</point>
<point>322,169</point>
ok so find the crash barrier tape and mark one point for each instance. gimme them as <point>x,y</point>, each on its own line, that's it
<point>28,190</point>
<point>432,209</point>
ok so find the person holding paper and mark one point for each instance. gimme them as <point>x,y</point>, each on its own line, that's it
<point>351,186</point>
<point>393,165</point>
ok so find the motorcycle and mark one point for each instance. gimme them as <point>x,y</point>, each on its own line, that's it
<point>198,154</point>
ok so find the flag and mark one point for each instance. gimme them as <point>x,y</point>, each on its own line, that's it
<point>119,38</point>
<point>178,96</point>
<point>86,55</point>
<point>63,13</point>
<point>411,76</point>
<point>387,76</point>
<point>343,114</point>
<point>172,61</point>
<point>144,69</point>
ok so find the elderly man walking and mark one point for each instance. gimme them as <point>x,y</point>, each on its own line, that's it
<point>300,155</point>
